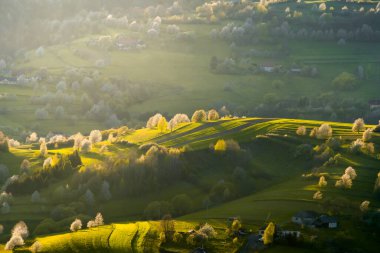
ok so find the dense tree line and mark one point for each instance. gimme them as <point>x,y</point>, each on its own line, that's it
<point>65,166</point>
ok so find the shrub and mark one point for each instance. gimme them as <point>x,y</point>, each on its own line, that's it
<point>313,132</point>
<point>345,81</point>
<point>177,237</point>
<point>322,181</point>
<point>36,197</point>
<point>318,195</point>
<point>232,145</point>
<point>4,173</point>
<point>304,150</point>
<point>4,147</point>
<point>364,206</point>
<point>43,149</point>
<point>220,146</point>
<point>25,166</point>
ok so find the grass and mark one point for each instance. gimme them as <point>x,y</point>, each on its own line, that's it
<point>277,196</point>
<point>178,77</point>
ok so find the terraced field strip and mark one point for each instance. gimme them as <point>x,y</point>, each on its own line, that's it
<point>122,237</point>
<point>211,132</point>
<point>90,240</point>
<point>289,126</point>
<point>138,243</point>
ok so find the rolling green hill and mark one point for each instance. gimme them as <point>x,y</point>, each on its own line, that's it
<point>280,189</point>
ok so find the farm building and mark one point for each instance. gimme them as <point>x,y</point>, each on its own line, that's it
<point>326,221</point>
<point>8,80</point>
<point>280,233</point>
<point>124,43</point>
<point>374,104</point>
<point>313,219</point>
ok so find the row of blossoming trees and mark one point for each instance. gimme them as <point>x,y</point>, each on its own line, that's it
<point>162,124</point>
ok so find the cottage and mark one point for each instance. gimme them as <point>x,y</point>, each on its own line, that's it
<point>326,221</point>
<point>8,80</point>
<point>268,68</point>
<point>198,250</point>
<point>305,218</point>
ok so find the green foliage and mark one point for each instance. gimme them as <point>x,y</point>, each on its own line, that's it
<point>162,124</point>
<point>269,233</point>
<point>156,210</point>
<point>199,116</point>
<point>3,143</point>
<point>182,204</point>
<point>345,81</point>
<point>220,146</point>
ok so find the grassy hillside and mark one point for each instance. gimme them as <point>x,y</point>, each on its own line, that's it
<point>280,190</point>
<point>270,137</point>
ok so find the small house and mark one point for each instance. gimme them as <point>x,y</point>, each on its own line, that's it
<point>326,221</point>
<point>306,218</point>
<point>198,250</point>
<point>268,68</point>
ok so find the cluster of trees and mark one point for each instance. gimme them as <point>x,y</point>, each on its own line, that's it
<point>78,87</point>
<point>158,121</point>
<point>63,166</point>
<point>228,145</point>
<point>346,179</point>
<point>4,147</point>
<point>77,223</point>
<point>179,205</point>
